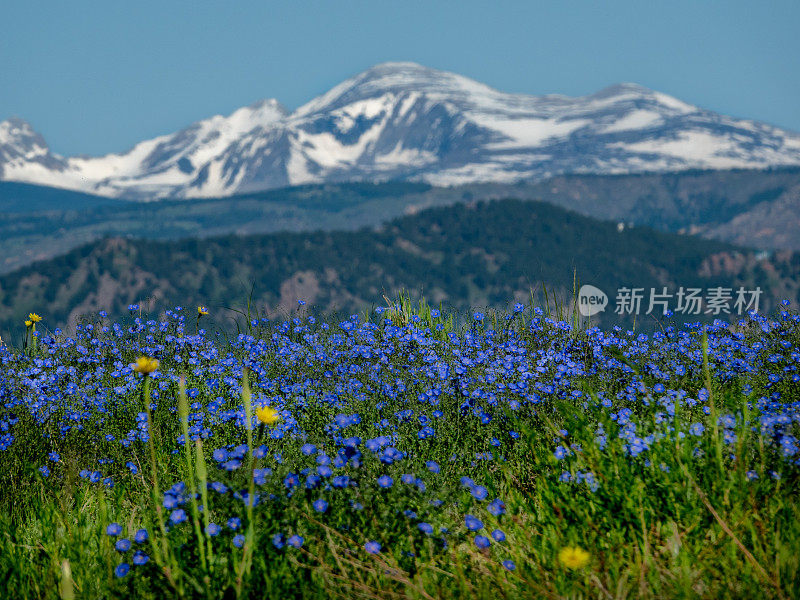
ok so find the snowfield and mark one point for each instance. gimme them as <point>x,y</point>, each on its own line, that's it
<point>406,121</point>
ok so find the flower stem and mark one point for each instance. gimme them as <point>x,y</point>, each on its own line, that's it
<point>247,401</point>
<point>183,412</point>
<point>164,555</point>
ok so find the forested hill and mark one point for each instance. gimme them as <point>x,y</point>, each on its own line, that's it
<point>466,255</point>
<point>757,209</point>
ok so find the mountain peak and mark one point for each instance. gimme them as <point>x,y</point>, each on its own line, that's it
<point>18,138</point>
<point>397,78</point>
<point>269,104</point>
<point>627,90</point>
<point>622,89</point>
<point>14,129</point>
<point>403,120</point>
<point>259,114</point>
<point>15,122</point>
<point>398,65</point>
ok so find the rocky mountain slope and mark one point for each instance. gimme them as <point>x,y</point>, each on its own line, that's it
<point>468,256</point>
<point>405,121</point>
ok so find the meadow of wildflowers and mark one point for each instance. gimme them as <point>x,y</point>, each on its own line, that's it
<point>516,456</point>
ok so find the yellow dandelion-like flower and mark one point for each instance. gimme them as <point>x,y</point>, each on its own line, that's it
<point>202,311</point>
<point>267,415</point>
<point>28,323</point>
<point>573,558</point>
<point>145,365</point>
<point>34,318</point>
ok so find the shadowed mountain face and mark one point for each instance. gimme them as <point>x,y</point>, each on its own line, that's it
<point>466,255</point>
<point>404,121</point>
<point>756,209</point>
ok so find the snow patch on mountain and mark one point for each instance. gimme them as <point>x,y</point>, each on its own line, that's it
<point>405,121</point>
<point>637,119</point>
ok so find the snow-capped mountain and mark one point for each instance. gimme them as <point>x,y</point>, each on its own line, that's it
<point>405,121</point>
<point>169,165</point>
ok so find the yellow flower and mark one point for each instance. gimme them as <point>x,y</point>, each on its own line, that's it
<point>34,318</point>
<point>28,323</point>
<point>202,311</point>
<point>267,415</point>
<point>145,365</point>
<point>573,558</point>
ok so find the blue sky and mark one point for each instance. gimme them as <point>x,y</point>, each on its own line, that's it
<point>96,77</point>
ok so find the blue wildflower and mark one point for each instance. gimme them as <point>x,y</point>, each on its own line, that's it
<point>308,449</point>
<point>177,516</point>
<point>122,569</point>
<point>697,429</point>
<point>498,536</point>
<point>496,507</point>
<point>473,523</point>
<point>479,492</point>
